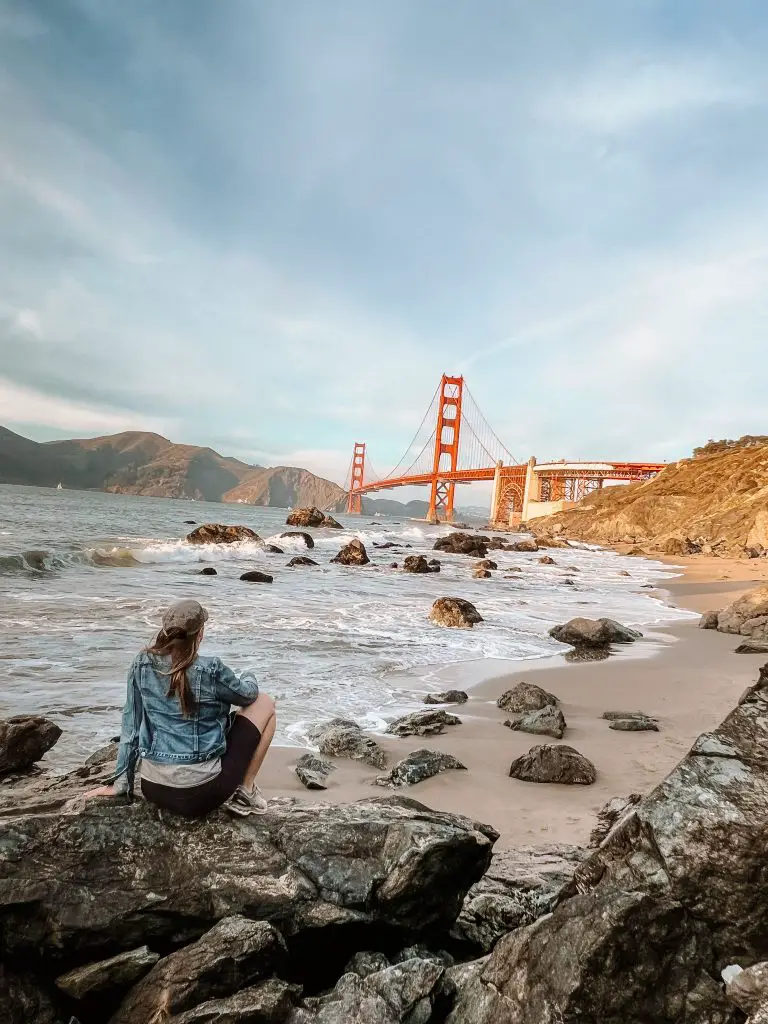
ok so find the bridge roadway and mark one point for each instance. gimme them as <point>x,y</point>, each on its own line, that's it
<point>522,492</point>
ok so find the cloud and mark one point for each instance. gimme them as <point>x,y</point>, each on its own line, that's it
<point>24,407</point>
<point>627,94</point>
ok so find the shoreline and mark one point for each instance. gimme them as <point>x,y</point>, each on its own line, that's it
<point>687,678</point>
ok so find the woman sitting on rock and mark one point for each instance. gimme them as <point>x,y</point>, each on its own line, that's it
<point>195,756</point>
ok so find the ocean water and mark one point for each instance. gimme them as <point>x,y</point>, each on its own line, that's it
<point>85,576</point>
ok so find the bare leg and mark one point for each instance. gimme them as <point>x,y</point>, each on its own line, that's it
<point>262,714</point>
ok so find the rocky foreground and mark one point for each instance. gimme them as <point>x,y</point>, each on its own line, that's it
<point>386,912</point>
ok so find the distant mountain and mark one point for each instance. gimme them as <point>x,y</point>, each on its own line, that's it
<point>144,463</point>
<point>388,506</point>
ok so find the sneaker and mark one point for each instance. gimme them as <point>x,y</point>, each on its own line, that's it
<point>244,802</point>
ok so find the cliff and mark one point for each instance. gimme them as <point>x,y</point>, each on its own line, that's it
<point>135,462</point>
<point>715,502</point>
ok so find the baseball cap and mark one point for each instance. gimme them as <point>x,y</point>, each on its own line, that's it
<point>188,615</point>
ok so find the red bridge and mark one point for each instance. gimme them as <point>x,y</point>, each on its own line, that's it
<point>459,447</point>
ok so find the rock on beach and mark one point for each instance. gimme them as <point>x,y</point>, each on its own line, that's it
<point>24,739</point>
<point>353,553</point>
<point>455,613</point>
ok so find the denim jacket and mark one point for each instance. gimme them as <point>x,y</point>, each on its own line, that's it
<point>154,727</point>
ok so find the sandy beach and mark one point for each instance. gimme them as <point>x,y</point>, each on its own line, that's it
<point>685,677</point>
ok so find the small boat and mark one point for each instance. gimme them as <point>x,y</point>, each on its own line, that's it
<point>59,487</point>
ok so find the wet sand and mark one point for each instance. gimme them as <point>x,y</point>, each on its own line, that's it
<point>687,678</point>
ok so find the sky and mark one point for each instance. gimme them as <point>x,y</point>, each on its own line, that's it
<point>269,226</point>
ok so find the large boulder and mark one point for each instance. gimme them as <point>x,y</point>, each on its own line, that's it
<point>115,876</point>
<point>580,632</point>
<point>463,544</point>
<point>219,533</point>
<point>454,612</point>
<point>24,739</point>
<point>520,886</point>
<point>747,615</point>
<point>608,957</point>
<point>312,517</point>
<point>422,723</point>
<point>549,763</point>
<point>233,954</point>
<point>417,766</point>
<point>676,891</point>
<point>548,721</point>
<point>305,537</point>
<point>341,737</point>
<point>526,697</point>
<point>353,553</point>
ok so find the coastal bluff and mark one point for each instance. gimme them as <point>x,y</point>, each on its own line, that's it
<point>385,911</point>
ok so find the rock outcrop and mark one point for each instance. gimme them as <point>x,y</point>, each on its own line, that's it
<point>547,560</point>
<point>219,533</point>
<point>715,503</point>
<point>463,544</point>
<point>300,560</point>
<point>454,612</point>
<point>24,739</point>
<point>679,880</point>
<point>580,632</point>
<point>525,697</point>
<point>353,553</point>
<point>481,574</point>
<point>547,721</point>
<point>341,737</point>
<point>447,697</point>
<point>422,723</point>
<point>312,517</point>
<point>519,887</point>
<point>548,763</point>
<point>417,766</point>
<point>213,898</point>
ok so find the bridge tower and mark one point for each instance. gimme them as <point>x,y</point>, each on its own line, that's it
<point>446,458</point>
<point>355,498</point>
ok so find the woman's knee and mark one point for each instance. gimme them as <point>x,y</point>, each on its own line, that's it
<point>260,712</point>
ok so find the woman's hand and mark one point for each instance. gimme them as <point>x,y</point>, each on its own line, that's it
<point>101,791</point>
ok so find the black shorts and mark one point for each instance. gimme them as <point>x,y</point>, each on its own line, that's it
<point>197,801</point>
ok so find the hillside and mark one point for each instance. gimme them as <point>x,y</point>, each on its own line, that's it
<point>144,463</point>
<point>716,502</point>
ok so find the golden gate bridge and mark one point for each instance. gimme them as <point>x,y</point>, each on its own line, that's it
<point>454,444</point>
